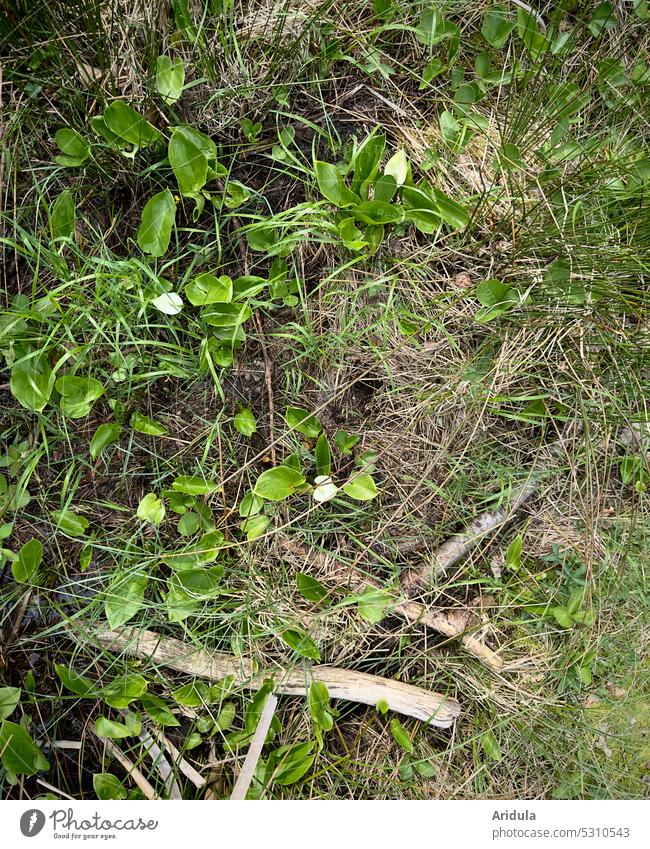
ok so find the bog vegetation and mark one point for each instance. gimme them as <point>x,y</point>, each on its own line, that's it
<point>292,292</point>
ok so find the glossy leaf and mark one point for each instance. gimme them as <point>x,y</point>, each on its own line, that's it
<point>400,735</point>
<point>127,124</point>
<point>105,435</point>
<point>278,483</point>
<point>143,424</point>
<point>32,383</point>
<point>78,394</point>
<point>310,588</point>
<point>158,218</point>
<point>194,485</point>
<point>25,568</point>
<point>170,78</point>
<point>206,289</point>
<point>245,423</point>
<point>151,509</point>
<point>62,216</point>
<point>73,146</point>
<point>9,700</point>
<point>108,786</point>
<point>332,187</point>
<point>18,752</point>
<point>302,421</point>
<point>378,212</point>
<point>124,597</point>
<point>301,643</point>
<point>361,488</point>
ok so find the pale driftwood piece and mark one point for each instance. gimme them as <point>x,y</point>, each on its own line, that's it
<point>131,769</point>
<point>186,768</point>
<point>434,708</point>
<point>161,764</point>
<point>451,623</point>
<point>254,750</point>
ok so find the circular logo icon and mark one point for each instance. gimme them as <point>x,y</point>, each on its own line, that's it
<point>32,822</point>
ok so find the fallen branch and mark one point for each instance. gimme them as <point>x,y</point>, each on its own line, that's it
<point>458,546</point>
<point>433,708</point>
<point>452,623</point>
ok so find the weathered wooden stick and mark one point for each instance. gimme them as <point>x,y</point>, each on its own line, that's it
<point>433,708</point>
<point>254,750</point>
<point>452,623</point>
<point>457,547</point>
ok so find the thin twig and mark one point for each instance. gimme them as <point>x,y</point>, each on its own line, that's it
<point>452,623</point>
<point>254,750</point>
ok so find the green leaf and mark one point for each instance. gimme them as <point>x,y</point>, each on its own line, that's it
<point>361,488</point>
<point>156,225</point>
<point>24,569</point>
<point>151,509</point>
<point>290,763</point>
<point>31,383</point>
<point>105,435</point>
<point>401,736</point>
<point>562,616</point>
<point>73,146</point>
<point>124,597</point>
<point>70,523</point>
<point>116,730</point>
<point>208,289</point>
<point>188,161</point>
<point>62,216</point>
<point>108,786</point>
<point>78,394</point>
<point>78,684</point>
<point>496,27</point>
<point>433,28</point>
<point>301,643</point>
<point>9,700</point>
<point>332,187</point>
<point>128,125</point>
<point>319,700</point>
<point>159,711</point>
<point>310,588</point>
<point>303,422</point>
<point>496,297</point>
<point>278,483</point>
<point>397,167</point>
<point>490,746</point>
<point>421,209</point>
<point>323,456</point>
<point>372,604</point>
<point>250,505</point>
<point>227,315</point>
<point>195,694</point>
<point>143,424</point>
<point>365,163</point>
<point>124,690</point>
<point>199,553</point>
<point>603,18</point>
<point>513,554</point>
<point>189,524</point>
<point>378,212</point>
<point>245,423</point>
<point>345,442</point>
<point>385,189</point>
<point>255,526</point>
<point>452,213</point>
<point>170,78</point>
<point>194,485</point>
<point>18,752</point>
